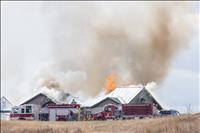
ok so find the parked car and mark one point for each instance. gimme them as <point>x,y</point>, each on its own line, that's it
<point>169,113</point>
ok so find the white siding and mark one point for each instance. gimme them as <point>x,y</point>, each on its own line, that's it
<point>97,110</point>
<point>52,114</point>
<point>44,110</point>
<point>5,116</point>
<point>60,111</point>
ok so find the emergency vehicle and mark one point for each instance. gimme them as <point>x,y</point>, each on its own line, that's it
<point>25,112</point>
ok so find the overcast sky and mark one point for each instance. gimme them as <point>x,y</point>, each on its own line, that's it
<point>25,38</point>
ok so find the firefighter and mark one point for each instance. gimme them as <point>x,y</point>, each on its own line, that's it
<point>71,115</point>
<point>79,111</point>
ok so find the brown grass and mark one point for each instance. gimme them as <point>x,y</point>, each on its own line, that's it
<point>181,124</point>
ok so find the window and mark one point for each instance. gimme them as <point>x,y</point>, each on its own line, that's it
<point>142,100</point>
<point>110,109</point>
<point>15,110</point>
<point>165,112</point>
<point>22,110</point>
<point>28,109</point>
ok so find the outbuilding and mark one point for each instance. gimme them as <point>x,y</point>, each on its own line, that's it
<point>5,108</point>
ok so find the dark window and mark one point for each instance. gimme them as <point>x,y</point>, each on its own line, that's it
<point>22,111</point>
<point>28,109</point>
<point>165,112</point>
<point>142,100</point>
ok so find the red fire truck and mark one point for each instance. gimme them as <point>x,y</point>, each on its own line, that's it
<point>25,112</point>
<point>108,112</point>
<point>64,112</point>
<point>126,111</point>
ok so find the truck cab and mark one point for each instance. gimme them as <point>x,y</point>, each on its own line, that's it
<point>110,111</point>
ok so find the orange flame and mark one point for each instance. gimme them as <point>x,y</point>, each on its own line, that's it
<point>110,84</point>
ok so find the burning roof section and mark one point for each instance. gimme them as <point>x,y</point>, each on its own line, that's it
<point>127,93</point>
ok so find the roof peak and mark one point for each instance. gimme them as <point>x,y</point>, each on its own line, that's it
<point>3,97</point>
<point>131,86</point>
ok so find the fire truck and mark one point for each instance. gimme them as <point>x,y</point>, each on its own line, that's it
<point>126,111</point>
<point>25,112</point>
<point>54,112</point>
<point>64,112</point>
<point>107,112</point>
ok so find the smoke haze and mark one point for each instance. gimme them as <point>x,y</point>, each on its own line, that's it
<point>88,41</point>
<point>134,41</point>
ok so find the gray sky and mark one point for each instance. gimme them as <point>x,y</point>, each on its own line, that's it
<point>26,44</point>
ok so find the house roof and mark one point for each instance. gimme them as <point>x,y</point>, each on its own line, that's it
<point>5,104</point>
<point>114,99</point>
<point>47,99</point>
<point>125,94</point>
<point>154,99</point>
<point>150,87</point>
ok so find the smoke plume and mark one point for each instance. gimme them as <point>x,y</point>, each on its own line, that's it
<point>134,41</point>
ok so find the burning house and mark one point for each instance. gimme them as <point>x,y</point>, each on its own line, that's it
<point>136,94</point>
<point>133,97</point>
<point>122,102</point>
<point>144,96</point>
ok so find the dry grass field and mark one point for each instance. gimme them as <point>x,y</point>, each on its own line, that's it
<point>181,124</point>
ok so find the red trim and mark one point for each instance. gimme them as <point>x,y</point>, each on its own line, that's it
<point>64,106</point>
<point>21,115</point>
<point>138,105</point>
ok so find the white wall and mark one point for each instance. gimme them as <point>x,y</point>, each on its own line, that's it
<point>97,110</point>
<point>5,116</point>
<point>44,110</point>
<point>52,114</point>
<point>60,111</point>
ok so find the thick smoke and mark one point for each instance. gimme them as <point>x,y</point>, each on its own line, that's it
<point>135,41</point>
